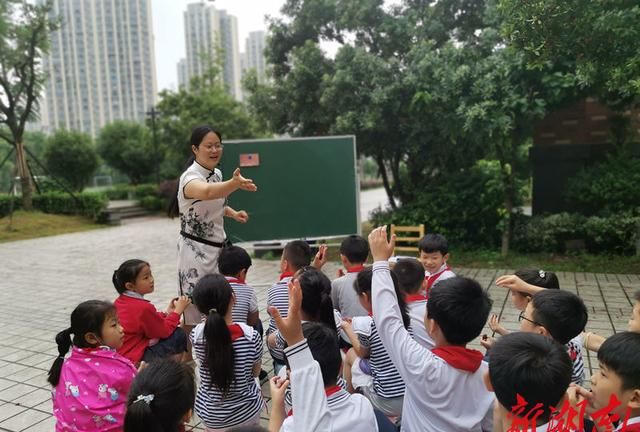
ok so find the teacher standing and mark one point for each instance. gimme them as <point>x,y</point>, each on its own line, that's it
<point>201,200</point>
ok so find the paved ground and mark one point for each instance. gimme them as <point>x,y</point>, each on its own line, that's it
<point>42,280</point>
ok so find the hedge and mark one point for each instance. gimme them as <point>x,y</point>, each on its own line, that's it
<point>88,204</point>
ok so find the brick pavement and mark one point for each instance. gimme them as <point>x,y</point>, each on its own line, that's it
<point>42,280</point>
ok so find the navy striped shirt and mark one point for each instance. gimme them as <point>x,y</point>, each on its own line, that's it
<point>278,296</point>
<point>246,300</point>
<point>387,381</point>
<point>574,349</point>
<point>244,400</point>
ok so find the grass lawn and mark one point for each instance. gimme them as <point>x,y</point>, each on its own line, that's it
<point>26,225</point>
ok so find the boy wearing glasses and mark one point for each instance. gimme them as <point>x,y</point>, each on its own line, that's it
<point>561,315</point>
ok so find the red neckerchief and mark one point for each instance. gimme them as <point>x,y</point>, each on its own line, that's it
<point>327,391</point>
<point>410,298</point>
<point>236,332</point>
<point>460,357</point>
<point>285,275</point>
<point>235,280</point>
<point>431,279</point>
<point>356,268</point>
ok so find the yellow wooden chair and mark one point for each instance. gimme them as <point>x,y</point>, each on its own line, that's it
<point>405,235</point>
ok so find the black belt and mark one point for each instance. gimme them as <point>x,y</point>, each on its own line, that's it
<point>226,242</point>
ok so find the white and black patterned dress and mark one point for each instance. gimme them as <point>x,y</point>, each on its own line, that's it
<point>202,219</point>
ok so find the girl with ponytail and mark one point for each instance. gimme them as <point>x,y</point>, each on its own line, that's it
<point>90,386</point>
<point>228,355</point>
<point>161,398</point>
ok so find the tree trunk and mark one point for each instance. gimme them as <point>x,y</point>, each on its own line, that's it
<point>25,177</point>
<point>507,178</point>
<point>385,181</point>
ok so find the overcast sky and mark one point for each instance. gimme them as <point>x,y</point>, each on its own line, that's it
<point>168,29</point>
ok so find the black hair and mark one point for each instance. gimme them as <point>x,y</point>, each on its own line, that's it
<point>87,317</point>
<point>355,249</point>
<point>297,253</point>
<point>410,273</point>
<point>636,296</point>
<point>197,135</point>
<point>316,296</point>
<point>232,260</point>
<point>562,313</point>
<point>127,272</point>
<point>621,354</point>
<point>212,296</point>
<point>362,285</point>
<point>433,243</point>
<point>460,307</point>
<point>533,366</point>
<point>325,350</point>
<point>539,278</point>
<point>173,387</point>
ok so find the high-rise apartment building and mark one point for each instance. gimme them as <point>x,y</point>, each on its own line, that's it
<point>210,33</point>
<point>101,65</point>
<point>183,73</point>
<point>254,52</point>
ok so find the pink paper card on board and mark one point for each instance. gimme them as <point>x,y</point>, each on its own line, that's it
<point>249,160</point>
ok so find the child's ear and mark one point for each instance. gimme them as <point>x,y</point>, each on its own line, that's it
<point>634,402</point>
<point>243,274</point>
<point>543,331</point>
<point>92,339</point>
<point>130,286</point>
<point>446,257</point>
<point>487,381</point>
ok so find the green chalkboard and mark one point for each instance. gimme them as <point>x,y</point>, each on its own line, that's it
<point>307,188</point>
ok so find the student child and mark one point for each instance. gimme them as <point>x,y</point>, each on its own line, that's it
<point>296,255</point>
<point>228,355</point>
<point>148,333</point>
<point>531,373</point>
<point>411,282</point>
<point>161,398</point>
<point>234,263</point>
<point>619,376</point>
<point>354,251</point>
<point>318,403</point>
<point>90,386</point>
<point>445,390</point>
<point>434,254</point>
<point>561,315</point>
<point>386,388</point>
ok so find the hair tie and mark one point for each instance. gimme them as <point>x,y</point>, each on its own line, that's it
<point>542,274</point>
<point>213,310</point>
<point>146,398</point>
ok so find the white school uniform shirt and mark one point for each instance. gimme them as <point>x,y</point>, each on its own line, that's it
<point>417,308</point>
<point>444,272</point>
<point>313,410</point>
<point>246,300</point>
<point>631,421</point>
<point>574,349</point>
<point>438,396</point>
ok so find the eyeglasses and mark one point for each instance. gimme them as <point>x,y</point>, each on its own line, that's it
<point>216,147</point>
<point>522,317</point>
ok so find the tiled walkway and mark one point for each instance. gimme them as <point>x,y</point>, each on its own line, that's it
<point>42,280</point>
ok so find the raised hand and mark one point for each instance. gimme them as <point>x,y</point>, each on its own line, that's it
<point>290,327</point>
<point>494,324</point>
<point>321,257</point>
<point>242,182</point>
<point>515,283</point>
<point>381,248</point>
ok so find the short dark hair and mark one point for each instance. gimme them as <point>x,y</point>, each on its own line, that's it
<point>562,313</point>
<point>621,354</point>
<point>460,307</point>
<point>434,243</point>
<point>127,272</point>
<point>323,344</point>
<point>410,273</point>
<point>363,283</point>
<point>355,248</point>
<point>532,366</point>
<point>173,387</point>
<point>539,278</point>
<point>232,260</point>
<point>297,253</point>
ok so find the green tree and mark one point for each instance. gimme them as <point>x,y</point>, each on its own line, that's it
<point>126,146</point>
<point>24,40</point>
<point>598,40</point>
<point>204,101</point>
<point>72,157</point>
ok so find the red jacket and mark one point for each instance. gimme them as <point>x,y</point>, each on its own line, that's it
<point>141,323</point>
